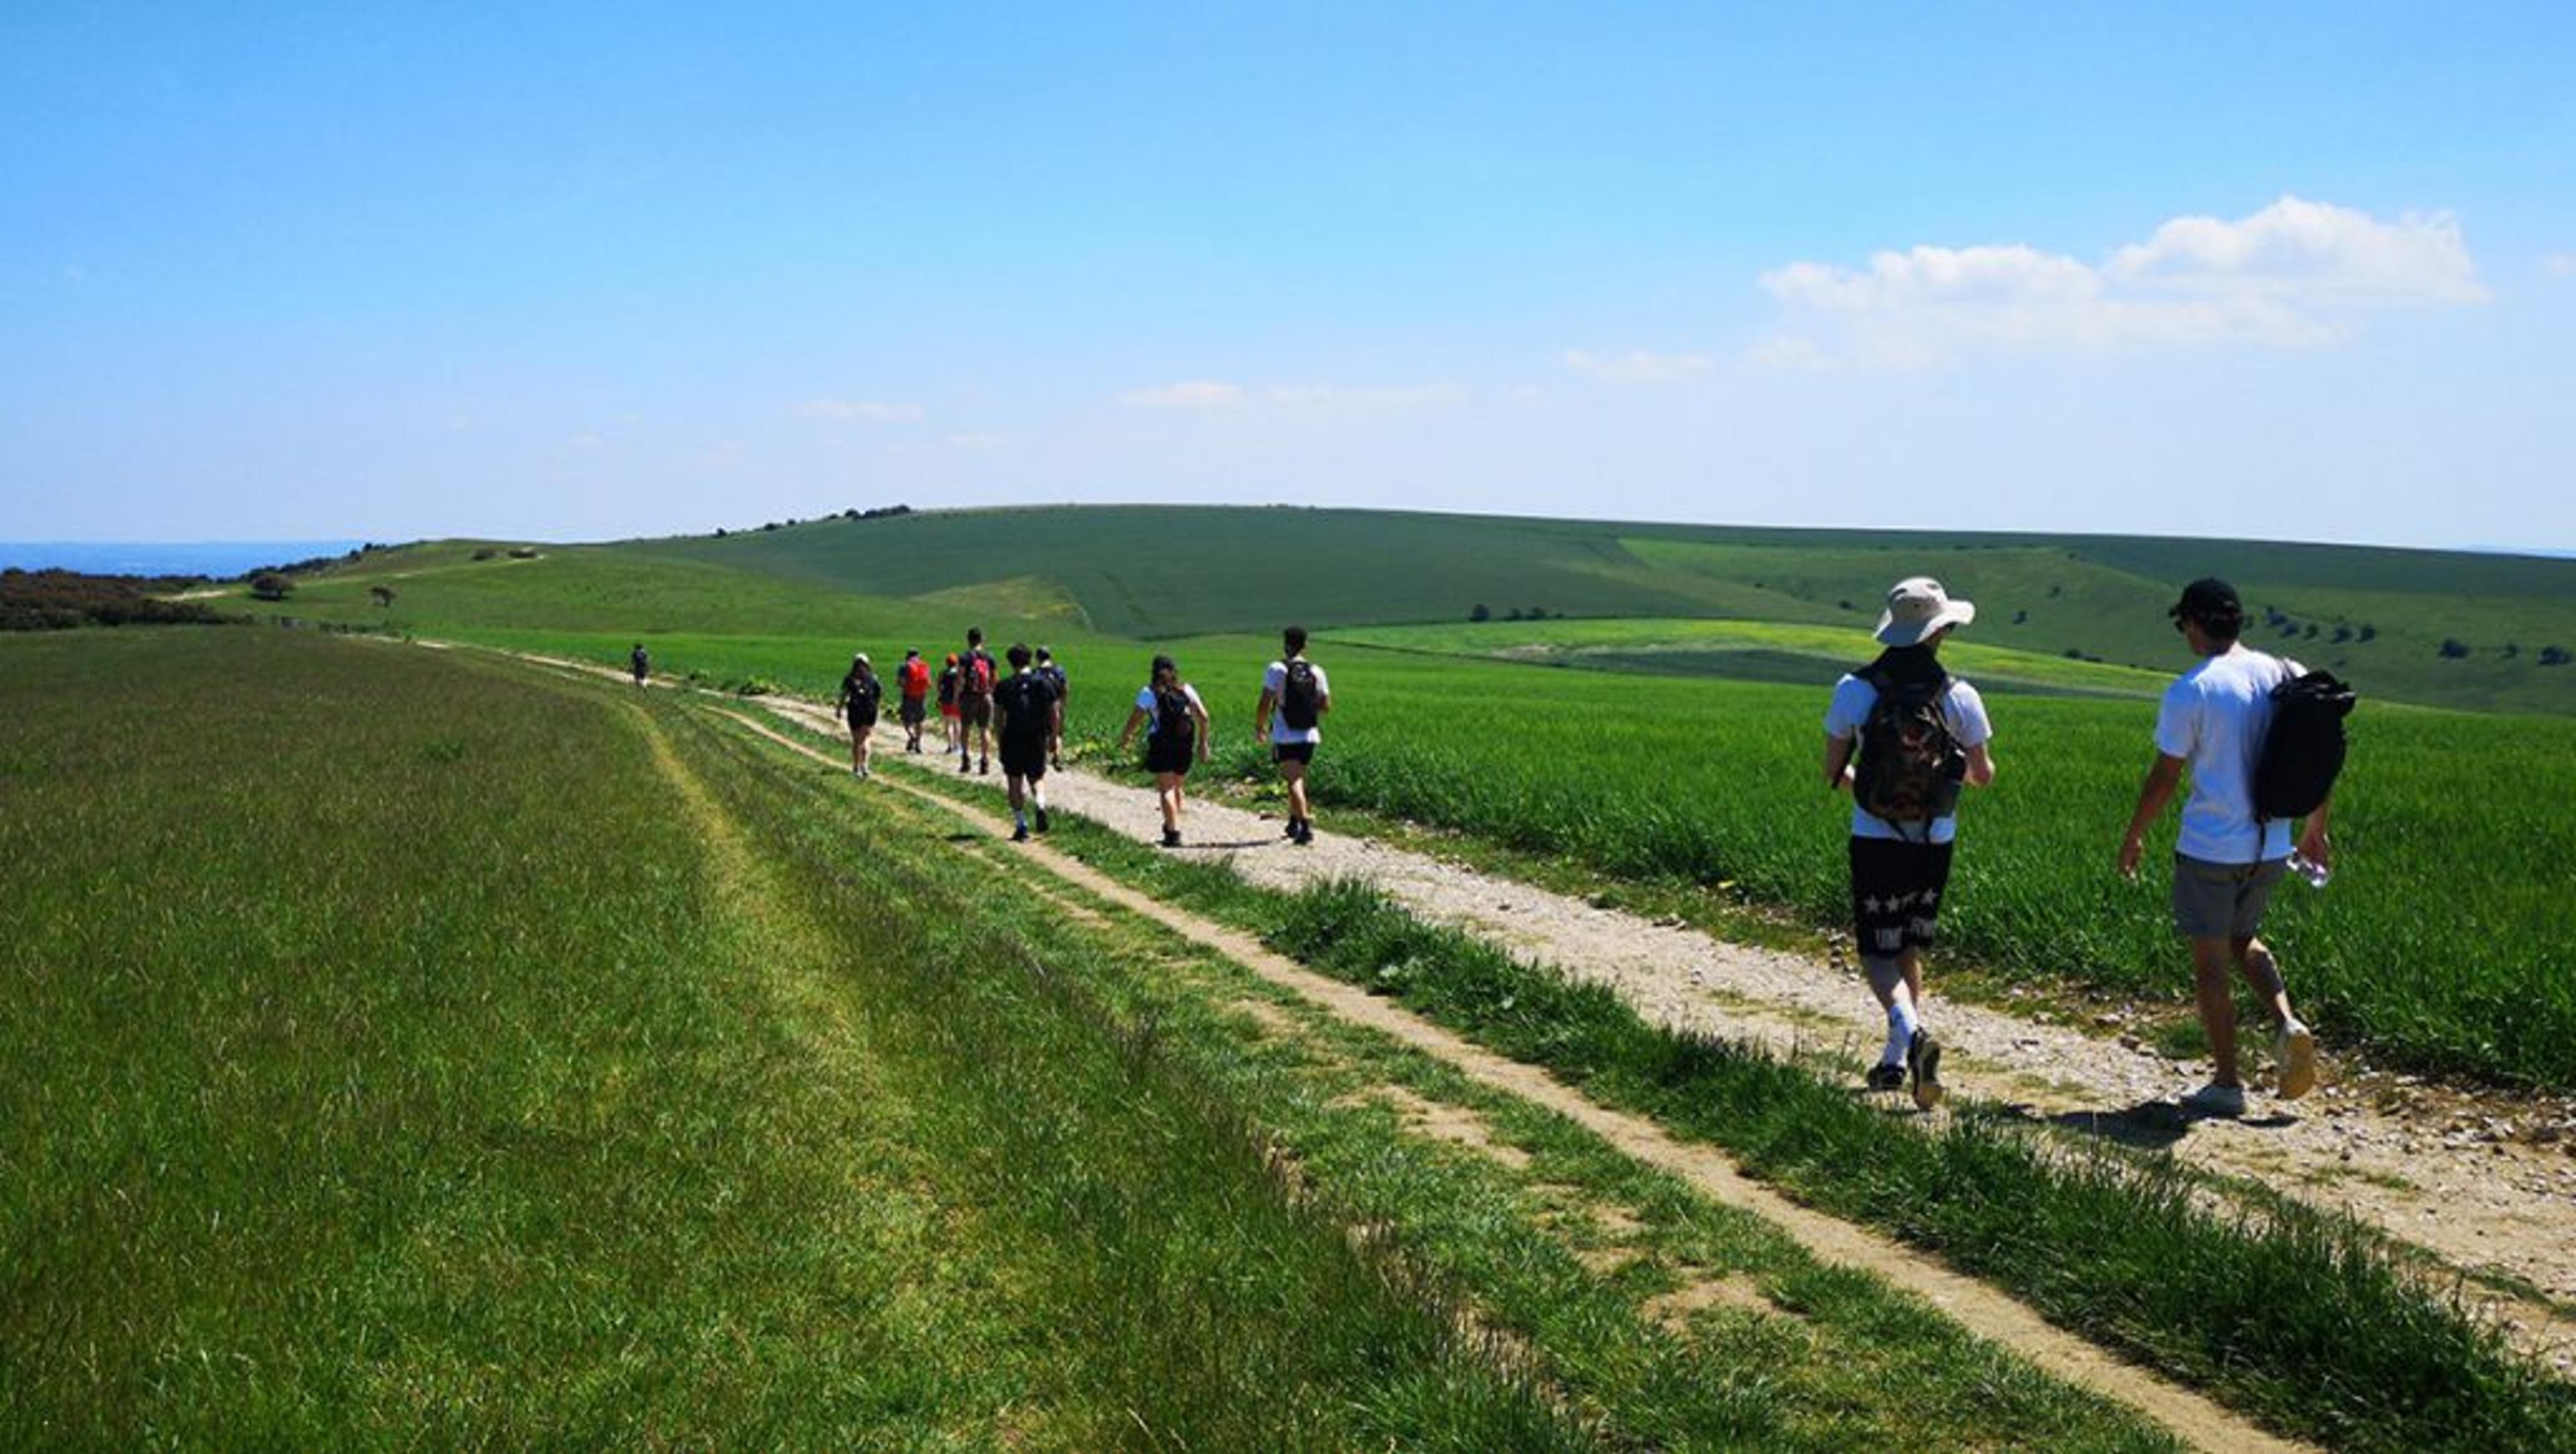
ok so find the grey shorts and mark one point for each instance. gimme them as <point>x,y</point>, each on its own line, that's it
<point>2222,900</point>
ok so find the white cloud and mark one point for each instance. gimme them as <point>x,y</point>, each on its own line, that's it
<point>1638,367</point>
<point>2559,265</point>
<point>1343,398</point>
<point>1188,394</point>
<point>2296,274</point>
<point>867,411</point>
<point>587,440</point>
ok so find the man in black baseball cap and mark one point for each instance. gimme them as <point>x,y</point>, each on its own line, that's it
<point>2210,601</point>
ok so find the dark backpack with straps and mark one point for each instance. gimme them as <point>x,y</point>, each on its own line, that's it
<point>1172,716</point>
<point>1910,764</point>
<point>1297,696</point>
<point>2303,749</point>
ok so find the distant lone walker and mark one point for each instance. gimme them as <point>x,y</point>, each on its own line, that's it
<point>1176,730</point>
<point>1030,717</point>
<point>861,695</point>
<point>1294,698</point>
<point>639,663</point>
<point>1919,733</point>
<point>2213,721</point>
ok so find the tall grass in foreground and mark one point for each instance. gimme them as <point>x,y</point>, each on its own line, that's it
<point>391,1059</point>
<point>2299,1317</point>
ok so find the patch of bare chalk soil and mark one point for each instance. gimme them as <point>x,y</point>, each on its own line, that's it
<point>2486,1183</point>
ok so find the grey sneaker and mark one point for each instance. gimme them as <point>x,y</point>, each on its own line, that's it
<point>2222,1102</point>
<point>1885,1078</point>
<point>2295,1051</point>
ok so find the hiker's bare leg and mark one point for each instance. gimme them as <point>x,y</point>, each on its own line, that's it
<point>2213,985</point>
<point>2254,958</point>
<point>1293,773</point>
<point>1168,789</point>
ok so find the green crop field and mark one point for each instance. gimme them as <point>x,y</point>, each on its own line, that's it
<point>2441,940</point>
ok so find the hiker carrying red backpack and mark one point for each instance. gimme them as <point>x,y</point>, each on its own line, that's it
<point>1917,734</point>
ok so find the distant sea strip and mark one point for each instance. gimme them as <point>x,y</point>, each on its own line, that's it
<point>216,558</point>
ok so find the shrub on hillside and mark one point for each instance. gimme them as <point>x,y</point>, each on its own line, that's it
<point>271,585</point>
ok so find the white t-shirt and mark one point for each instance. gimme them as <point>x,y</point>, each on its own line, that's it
<point>2214,717</point>
<point>1145,703</point>
<point>1962,711</point>
<point>1275,682</point>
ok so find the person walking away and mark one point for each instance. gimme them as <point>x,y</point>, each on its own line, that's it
<point>1176,728</point>
<point>975,682</point>
<point>1028,717</point>
<point>948,706</point>
<point>1918,733</point>
<point>639,663</point>
<point>1048,668</point>
<point>912,685</point>
<point>2212,723</point>
<point>1294,698</point>
<point>861,694</point>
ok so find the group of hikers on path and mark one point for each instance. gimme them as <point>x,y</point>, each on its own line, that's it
<point>2258,737</point>
<point>1024,711</point>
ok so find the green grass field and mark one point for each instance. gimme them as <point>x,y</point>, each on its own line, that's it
<point>409,1048</point>
<point>1140,571</point>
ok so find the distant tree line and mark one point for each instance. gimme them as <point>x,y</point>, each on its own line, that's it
<point>881,512</point>
<point>57,600</point>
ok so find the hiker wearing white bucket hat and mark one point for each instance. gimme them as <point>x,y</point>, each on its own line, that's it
<point>1916,608</point>
<point>1917,733</point>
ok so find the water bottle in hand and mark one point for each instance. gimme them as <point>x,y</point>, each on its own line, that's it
<point>2308,868</point>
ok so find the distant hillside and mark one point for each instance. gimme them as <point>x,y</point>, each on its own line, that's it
<point>2491,632</point>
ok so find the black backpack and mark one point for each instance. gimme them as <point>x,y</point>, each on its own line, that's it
<point>1172,716</point>
<point>1297,696</point>
<point>2304,747</point>
<point>1910,765</point>
<point>863,694</point>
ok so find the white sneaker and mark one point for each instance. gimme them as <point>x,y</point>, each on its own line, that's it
<point>2295,1050</point>
<point>2224,1102</point>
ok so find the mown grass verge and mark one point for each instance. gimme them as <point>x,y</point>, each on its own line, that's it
<point>2298,1317</point>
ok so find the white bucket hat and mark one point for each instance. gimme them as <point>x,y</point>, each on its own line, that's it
<point>1917,607</point>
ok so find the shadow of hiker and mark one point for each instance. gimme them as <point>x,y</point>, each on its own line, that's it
<point>1229,845</point>
<point>2148,1125</point>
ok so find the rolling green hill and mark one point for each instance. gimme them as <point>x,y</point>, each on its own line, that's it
<point>2380,617</point>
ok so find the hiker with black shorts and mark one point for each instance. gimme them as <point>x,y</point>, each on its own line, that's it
<point>948,733</point>
<point>2214,721</point>
<point>1048,668</point>
<point>1176,729</point>
<point>976,678</point>
<point>861,693</point>
<point>1029,717</point>
<point>912,684</point>
<point>1902,735</point>
<point>1294,698</point>
<point>639,663</point>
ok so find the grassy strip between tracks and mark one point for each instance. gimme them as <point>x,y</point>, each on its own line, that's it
<point>2299,1317</point>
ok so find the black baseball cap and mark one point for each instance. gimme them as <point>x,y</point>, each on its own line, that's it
<point>2208,598</point>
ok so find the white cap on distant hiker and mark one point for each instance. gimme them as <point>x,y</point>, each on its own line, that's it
<point>1917,607</point>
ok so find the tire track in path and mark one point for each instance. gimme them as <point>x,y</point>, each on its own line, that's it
<point>1982,1309</point>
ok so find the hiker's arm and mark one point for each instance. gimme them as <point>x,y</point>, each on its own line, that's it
<point>1261,714</point>
<point>1127,734</point>
<point>2153,794</point>
<point>1207,729</point>
<point>1838,753</point>
<point>1981,766</point>
<point>2314,845</point>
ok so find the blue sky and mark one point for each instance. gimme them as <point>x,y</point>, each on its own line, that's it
<point>389,272</point>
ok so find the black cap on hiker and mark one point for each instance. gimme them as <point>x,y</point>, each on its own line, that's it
<point>2208,599</point>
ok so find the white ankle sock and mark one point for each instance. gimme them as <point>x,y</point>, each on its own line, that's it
<point>1901,1025</point>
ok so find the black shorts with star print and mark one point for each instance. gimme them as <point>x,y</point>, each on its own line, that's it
<point>1896,893</point>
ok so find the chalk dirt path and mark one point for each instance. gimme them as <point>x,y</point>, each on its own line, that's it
<point>2487,1185</point>
<point>1983,1310</point>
